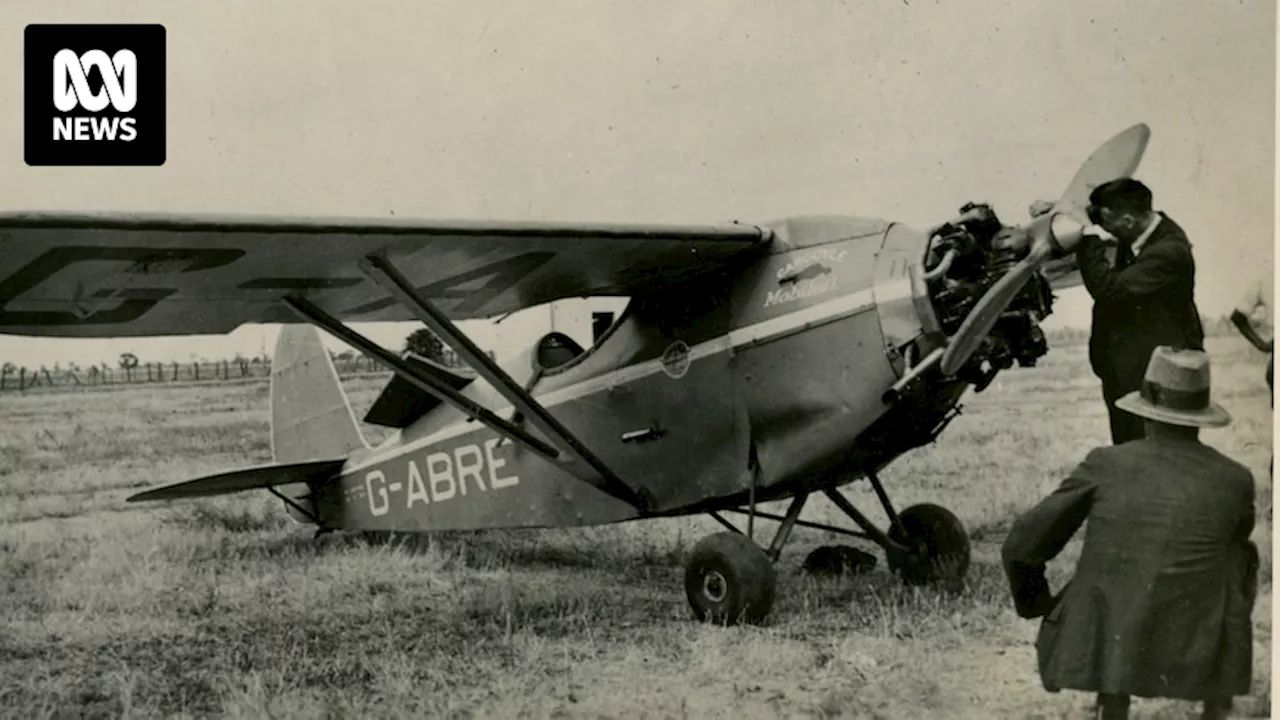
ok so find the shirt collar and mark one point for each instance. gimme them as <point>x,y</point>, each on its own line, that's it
<point>1146,235</point>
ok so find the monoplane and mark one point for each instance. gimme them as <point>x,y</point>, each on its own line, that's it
<point>752,364</point>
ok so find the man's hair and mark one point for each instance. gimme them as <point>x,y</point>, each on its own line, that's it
<point>1123,195</point>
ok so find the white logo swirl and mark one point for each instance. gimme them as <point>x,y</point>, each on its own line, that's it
<point>119,80</point>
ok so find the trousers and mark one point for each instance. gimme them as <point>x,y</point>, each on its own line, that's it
<point>1124,426</point>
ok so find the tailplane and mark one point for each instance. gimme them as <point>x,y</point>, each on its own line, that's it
<point>311,418</point>
<point>312,432</point>
<point>253,478</point>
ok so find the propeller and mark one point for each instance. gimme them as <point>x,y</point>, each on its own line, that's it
<point>1053,233</point>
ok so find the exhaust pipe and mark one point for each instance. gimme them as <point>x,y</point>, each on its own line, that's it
<point>942,267</point>
<point>894,392</point>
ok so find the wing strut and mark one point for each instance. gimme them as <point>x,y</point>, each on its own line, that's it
<point>381,271</point>
<point>308,311</point>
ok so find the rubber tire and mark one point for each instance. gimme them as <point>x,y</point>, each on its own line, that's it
<point>750,580</point>
<point>943,540</point>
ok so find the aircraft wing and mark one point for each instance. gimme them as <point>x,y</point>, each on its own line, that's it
<point>118,274</point>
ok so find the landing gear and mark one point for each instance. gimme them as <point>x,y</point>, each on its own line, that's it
<point>940,546</point>
<point>731,579</point>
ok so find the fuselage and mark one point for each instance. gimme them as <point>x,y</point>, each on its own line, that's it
<point>765,378</point>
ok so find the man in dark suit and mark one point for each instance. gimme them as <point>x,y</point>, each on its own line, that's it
<point>1161,599</point>
<point>1147,299</point>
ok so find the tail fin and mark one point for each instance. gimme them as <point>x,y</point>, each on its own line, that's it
<point>310,416</point>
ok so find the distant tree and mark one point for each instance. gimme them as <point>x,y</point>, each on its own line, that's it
<point>425,343</point>
<point>345,361</point>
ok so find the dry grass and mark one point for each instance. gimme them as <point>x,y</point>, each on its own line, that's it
<point>224,607</point>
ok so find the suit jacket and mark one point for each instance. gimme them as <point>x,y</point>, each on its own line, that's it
<point>1139,304</point>
<point>1161,599</point>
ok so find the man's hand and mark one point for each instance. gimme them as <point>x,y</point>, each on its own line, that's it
<point>1040,207</point>
<point>1241,321</point>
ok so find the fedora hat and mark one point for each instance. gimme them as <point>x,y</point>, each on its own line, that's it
<point>1175,390</point>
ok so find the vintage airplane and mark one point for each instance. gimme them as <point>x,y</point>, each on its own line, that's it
<point>752,364</point>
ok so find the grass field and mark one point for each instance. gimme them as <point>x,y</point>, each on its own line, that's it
<point>225,607</point>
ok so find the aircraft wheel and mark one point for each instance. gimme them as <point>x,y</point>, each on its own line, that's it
<point>942,546</point>
<point>729,579</point>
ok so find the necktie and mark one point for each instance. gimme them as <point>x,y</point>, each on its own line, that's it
<point>1124,257</point>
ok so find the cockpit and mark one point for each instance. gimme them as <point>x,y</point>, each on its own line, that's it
<point>554,350</point>
<point>557,351</point>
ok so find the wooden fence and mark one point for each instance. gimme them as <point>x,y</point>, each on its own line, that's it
<point>22,378</point>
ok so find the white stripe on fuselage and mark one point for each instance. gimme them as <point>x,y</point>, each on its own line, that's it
<point>755,334</point>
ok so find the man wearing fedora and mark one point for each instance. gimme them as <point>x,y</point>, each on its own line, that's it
<point>1161,599</point>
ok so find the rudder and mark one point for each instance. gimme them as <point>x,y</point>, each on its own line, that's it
<point>311,418</point>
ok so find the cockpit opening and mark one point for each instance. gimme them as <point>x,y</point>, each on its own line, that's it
<point>554,350</point>
<point>574,324</point>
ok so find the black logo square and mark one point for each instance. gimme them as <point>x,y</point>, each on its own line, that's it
<point>94,94</point>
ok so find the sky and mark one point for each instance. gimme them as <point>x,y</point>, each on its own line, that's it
<point>646,111</point>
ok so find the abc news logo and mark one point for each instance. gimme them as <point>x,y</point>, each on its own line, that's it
<point>71,90</point>
<point>95,94</point>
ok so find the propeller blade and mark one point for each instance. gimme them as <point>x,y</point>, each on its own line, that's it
<point>984,315</point>
<point>1051,234</point>
<point>1116,158</point>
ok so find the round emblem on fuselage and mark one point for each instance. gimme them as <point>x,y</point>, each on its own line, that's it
<point>675,360</point>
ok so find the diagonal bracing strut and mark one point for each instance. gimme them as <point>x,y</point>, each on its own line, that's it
<point>308,311</point>
<point>385,274</point>
<point>313,314</point>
